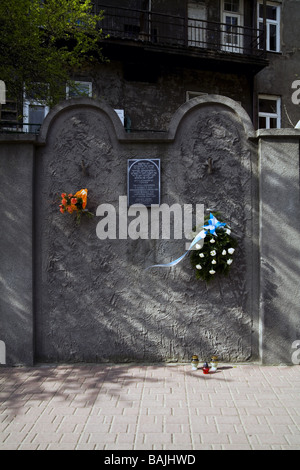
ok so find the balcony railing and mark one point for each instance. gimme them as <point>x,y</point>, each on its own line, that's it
<point>175,31</point>
<point>8,127</point>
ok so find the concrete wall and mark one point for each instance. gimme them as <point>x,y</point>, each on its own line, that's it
<point>279,244</point>
<point>68,296</point>
<point>16,271</point>
<point>95,302</point>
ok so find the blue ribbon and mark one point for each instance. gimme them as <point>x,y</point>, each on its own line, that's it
<point>213,224</point>
<point>211,227</point>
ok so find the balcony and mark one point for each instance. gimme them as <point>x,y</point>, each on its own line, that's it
<point>186,36</point>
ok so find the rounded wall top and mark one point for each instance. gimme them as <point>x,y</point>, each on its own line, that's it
<point>80,103</point>
<point>180,114</point>
<point>207,100</point>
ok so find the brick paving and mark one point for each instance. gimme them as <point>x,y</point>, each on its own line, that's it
<point>149,407</point>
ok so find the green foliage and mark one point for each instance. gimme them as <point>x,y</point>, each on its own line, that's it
<point>214,258</point>
<point>43,42</point>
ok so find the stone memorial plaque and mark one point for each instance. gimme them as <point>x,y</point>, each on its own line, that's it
<point>143,181</point>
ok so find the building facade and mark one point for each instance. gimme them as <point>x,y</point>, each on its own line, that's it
<point>162,53</point>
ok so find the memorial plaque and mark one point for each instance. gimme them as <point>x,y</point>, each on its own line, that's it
<point>143,181</point>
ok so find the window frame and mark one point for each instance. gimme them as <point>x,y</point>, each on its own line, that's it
<point>268,116</point>
<point>231,11</point>
<point>80,82</point>
<point>27,103</point>
<point>236,43</point>
<point>197,18</point>
<point>269,22</point>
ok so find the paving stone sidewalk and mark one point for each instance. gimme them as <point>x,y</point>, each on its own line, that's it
<point>149,407</point>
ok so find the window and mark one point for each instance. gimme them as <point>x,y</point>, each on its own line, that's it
<point>78,88</point>
<point>269,112</point>
<point>197,16</point>
<point>34,117</point>
<point>34,111</point>
<point>231,5</point>
<point>120,113</point>
<point>272,25</point>
<point>233,21</point>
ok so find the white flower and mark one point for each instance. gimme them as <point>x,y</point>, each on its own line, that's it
<point>224,252</point>
<point>201,255</point>
<point>213,253</point>
<point>198,266</point>
<point>197,246</point>
<point>213,261</point>
<point>212,240</point>
<point>231,250</point>
<point>212,271</point>
<point>229,261</point>
<point>228,231</point>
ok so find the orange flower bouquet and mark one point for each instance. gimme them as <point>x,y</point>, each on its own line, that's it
<point>75,203</point>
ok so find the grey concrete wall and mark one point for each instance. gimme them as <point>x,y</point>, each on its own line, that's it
<point>279,245</point>
<point>16,251</point>
<point>95,301</point>
<point>68,296</point>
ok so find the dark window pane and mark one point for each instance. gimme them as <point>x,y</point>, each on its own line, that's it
<point>271,13</point>
<point>232,5</point>
<point>273,123</point>
<point>36,116</point>
<point>40,90</point>
<point>231,20</point>
<point>267,106</point>
<point>273,37</point>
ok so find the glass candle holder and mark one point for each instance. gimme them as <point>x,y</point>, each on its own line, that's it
<point>214,363</point>
<point>195,362</point>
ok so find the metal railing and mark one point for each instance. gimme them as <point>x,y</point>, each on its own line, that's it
<point>169,30</point>
<point>7,127</point>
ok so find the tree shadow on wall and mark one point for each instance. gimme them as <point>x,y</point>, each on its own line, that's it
<point>97,304</point>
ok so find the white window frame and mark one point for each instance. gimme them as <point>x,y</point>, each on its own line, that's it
<point>270,22</point>
<point>197,17</point>
<point>79,82</point>
<point>120,113</point>
<point>236,47</point>
<point>27,103</point>
<point>269,116</point>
